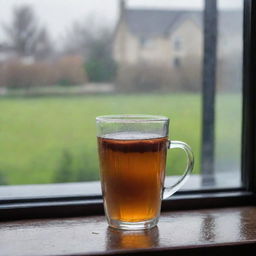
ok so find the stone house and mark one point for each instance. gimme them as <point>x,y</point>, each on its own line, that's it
<point>164,37</point>
<point>171,37</point>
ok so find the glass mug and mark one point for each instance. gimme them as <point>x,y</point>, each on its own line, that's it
<point>132,154</point>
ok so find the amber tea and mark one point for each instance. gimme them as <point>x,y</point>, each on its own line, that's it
<point>132,172</point>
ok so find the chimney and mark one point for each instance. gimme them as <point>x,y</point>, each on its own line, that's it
<point>122,6</point>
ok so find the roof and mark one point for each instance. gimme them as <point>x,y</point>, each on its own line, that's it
<point>148,23</point>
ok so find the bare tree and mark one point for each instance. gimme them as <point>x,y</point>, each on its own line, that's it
<point>75,41</point>
<point>80,36</point>
<point>25,34</point>
<point>44,45</point>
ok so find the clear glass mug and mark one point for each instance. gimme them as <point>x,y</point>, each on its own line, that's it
<point>132,155</point>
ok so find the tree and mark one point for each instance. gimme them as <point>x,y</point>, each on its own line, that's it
<point>75,41</point>
<point>99,64</point>
<point>25,35</point>
<point>94,44</point>
<point>44,46</point>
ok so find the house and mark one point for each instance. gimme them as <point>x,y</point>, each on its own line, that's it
<point>159,36</point>
<point>170,37</point>
<point>6,52</point>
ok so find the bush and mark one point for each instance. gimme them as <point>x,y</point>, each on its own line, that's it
<point>70,71</point>
<point>17,74</point>
<point>142,78</point>
<point>190,74</point>
<point>159,78</point>
<point>65,71</point>
<point>100,70</point>
<point>2,75</point>
<point>229,73</point>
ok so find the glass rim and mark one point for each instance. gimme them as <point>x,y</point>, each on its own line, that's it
<point>131,118</point>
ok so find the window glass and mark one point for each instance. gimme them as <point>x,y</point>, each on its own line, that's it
<point>229,94</point>
<point>63,64</point>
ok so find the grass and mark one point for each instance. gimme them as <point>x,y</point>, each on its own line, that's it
<point>37,133</point>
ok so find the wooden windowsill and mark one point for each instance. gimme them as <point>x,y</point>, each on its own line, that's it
<point>178,231</point>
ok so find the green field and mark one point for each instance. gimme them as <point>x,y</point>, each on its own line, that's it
<point>45,137</point>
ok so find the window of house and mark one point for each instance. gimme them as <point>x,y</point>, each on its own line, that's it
<point>178,44</point>
<point>146,43</point>
<point>47,130</point>
<point>177,62</point>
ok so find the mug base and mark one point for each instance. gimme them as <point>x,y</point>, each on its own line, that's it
<point>147,224</point>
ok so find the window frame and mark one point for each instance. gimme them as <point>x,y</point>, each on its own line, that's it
<point>249,97</point>
<point>14,209</point>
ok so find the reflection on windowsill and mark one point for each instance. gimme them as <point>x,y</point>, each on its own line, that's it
<point>124,239</point>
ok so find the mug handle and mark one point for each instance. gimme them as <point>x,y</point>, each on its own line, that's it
<point>168,191</point>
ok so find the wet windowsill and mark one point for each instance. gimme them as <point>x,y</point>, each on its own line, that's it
<point>179,233</point>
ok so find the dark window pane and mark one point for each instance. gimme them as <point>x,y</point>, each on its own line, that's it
<point>177,62</point>
<point>177,44</point>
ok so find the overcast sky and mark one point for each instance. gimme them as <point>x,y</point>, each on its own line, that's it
<point>58,15</point>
